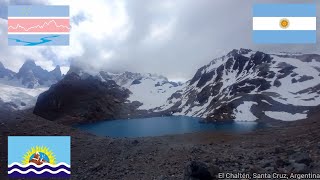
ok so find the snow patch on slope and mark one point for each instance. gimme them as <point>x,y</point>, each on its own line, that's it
<point>284,116</point>
<point>149,94</point>
<point>151,90</point>
<point>290,95</point>
<point>243,112</point>
<point>20,95</point>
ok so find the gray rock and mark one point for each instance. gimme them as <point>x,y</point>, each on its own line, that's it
<point>162,177</point>
<point>278,150</point>
<point>135,142</point>
<point>281,163</point>
<point>269,169</point>
<point>301,157</point>
<point>300,168</point>
<point>266,163</point>
<point>214,170</point>
<point>196,149</point>
<point>96,166</point>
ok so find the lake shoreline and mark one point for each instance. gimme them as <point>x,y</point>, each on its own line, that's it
<point>274,149</point>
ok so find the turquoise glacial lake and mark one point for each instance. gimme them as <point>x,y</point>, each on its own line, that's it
<point>159,126</point>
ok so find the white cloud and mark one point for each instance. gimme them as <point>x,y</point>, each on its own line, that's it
<point>161,32</point>
<point>64,69</point>
<point>173,38</point>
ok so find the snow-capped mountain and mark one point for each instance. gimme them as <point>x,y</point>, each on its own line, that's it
<point>243,85</point>
<point>149,89</point>
<point>246,85</point>
<point>20,90</point>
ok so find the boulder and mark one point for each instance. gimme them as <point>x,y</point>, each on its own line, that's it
<point>196,170</point>
<point>301,157</point>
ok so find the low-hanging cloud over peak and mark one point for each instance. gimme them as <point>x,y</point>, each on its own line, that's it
<point>173,38</point>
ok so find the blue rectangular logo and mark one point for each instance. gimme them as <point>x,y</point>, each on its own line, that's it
<point>35,25</point>
<point>284,23</point>
<point>39,157</point>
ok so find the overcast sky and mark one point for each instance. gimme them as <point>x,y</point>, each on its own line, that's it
<point>169,37</point>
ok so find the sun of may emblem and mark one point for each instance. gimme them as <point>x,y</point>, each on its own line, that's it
<point>284,23</point>
<point>39,155</point>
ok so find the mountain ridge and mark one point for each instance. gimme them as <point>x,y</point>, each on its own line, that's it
<point>245,84</point>
<point>20,90</point>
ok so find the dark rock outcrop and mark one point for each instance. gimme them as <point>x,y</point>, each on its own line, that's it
<point>196,170</point>
<point>76,100</point>
<point>137,81</point>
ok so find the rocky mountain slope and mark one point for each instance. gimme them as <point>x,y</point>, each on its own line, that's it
<point>75,99</point>
<point>20,90</point>
<point>246,85</point>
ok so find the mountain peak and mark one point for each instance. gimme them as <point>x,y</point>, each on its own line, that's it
<point>74,69</point>
<point>57,68</point>
<point>30,62</point>
<point>239,51</point>
<point>71,76</point>
<point>33,75</point>
<point>57,72</point>
<point>244,51</point>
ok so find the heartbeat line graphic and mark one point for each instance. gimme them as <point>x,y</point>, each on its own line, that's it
<point>46,24</point>
<point>33,25</point>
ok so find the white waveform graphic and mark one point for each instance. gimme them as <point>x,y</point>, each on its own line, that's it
<point>38,26</point>
<point>39,166</point>
<point>39,172</point>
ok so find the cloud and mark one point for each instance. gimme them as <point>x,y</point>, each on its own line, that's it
<point>78,18</point>
<point>173,38</point>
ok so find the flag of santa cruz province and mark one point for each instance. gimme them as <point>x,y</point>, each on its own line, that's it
<point>284,23</point>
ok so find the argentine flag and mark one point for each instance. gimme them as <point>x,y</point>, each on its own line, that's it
<point>284,23</point>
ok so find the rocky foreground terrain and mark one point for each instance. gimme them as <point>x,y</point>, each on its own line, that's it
<point>288,147</point>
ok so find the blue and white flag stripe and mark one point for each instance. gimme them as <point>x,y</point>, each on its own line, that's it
<point>284,37</point>
<point>284,10</point>
<point>300,17</point>
<point>38,11</point>
<point>296,23</point>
